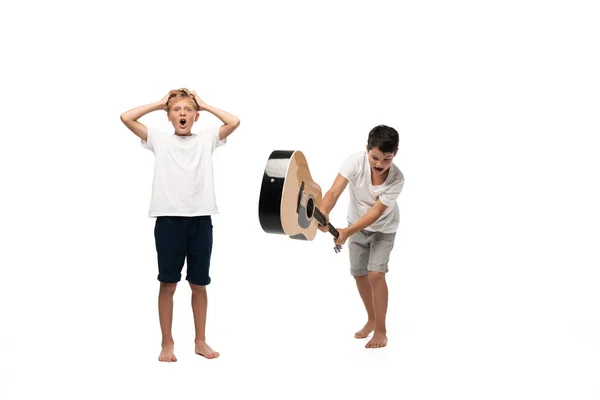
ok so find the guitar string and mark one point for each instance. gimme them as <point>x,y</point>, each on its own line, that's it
<point>320,217</point>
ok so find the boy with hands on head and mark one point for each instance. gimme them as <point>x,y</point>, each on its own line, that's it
<point>183,200</point>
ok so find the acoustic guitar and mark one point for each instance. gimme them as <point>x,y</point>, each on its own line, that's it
<point>290,199</point>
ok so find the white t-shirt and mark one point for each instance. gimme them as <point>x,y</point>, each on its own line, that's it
<point>363,194</point>
<point>183,182</point>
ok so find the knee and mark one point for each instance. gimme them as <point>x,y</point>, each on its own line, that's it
<point>168,288</point>
<point>376,278</point>
<point>197,289</point>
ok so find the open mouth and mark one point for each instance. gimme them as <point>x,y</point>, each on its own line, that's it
<point>182,122</point>
<point>378,169</point>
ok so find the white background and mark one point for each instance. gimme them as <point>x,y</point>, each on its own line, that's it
<point>495,274</point>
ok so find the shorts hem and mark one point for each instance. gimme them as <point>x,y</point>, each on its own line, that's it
<point>164,278</point>
<point>199,282</point>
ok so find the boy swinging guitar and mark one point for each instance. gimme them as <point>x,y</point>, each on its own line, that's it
<point>291,201</point>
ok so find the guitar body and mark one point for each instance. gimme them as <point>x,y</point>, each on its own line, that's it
<point>289,197</point>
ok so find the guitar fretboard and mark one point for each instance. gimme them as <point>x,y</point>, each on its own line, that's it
<point>321,220</point>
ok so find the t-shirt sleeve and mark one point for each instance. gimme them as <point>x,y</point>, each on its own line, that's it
<point>388,197</point>
<point>350,167</point>
<point>152,139</point>
<point>213,134</point>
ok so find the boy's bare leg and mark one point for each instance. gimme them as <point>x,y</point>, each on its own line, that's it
<point>199,307</point>
<point>364,289</point>
<point>165,316</point>
<point>380,302</point>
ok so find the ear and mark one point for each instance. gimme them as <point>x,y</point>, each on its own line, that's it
<point>197,116</point>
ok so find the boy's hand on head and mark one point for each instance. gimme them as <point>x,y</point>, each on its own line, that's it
<point>198,100</point>
<point>164,100</point>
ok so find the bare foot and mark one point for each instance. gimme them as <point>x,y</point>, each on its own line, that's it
<point>168,353</point>
<point>365,331</point>
<point>205,351</point>
<point>378,340</point>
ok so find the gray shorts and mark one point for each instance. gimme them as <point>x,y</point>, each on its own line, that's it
<point>370,251</point>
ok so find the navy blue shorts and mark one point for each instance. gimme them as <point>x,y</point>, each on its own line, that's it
<point>181,238</point>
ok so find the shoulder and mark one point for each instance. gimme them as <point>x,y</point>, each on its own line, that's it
<point>397,175</point>
<point>154,138</point>
<point>353,165</point>
<point>395,180</point>
<point>208,135</point>
<point>208,132</point>
<point>356,159</point>
<point>153,132</point>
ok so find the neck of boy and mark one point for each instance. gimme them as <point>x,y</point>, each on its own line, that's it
<point>377,180</point>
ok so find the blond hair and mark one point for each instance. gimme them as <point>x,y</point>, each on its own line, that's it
<point>177,94</point>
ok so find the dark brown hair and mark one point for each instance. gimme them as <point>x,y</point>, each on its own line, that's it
<point>385,138</point>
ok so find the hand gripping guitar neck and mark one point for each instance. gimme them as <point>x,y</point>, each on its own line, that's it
<point>321,220</point>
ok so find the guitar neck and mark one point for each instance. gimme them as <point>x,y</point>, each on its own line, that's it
<point>321,220</point>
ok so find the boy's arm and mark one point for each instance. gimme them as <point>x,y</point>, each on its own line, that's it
<point>130,118</point>
<point>231,122</point>
<point>368,219</point>
<point>331,197</point>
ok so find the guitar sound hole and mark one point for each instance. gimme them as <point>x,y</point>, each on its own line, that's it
<point>310,207</point>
